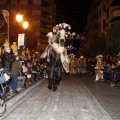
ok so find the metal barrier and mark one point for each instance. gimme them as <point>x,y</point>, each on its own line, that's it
<point>4,87</point>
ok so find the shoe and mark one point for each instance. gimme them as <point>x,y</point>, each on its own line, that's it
<point>16,92</point>
<point>46,76</point>
<point>102,80</point>
<point>112,84</point>
<point>12,93</point>
<point>19,89</point>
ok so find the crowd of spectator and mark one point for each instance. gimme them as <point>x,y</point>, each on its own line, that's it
<point>20,71</point>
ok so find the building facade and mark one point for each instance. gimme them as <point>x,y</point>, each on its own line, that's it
<point>102,15</point>
<point>40,14</point>
<point>112,12</point>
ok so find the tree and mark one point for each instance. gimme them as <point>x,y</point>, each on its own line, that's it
<point>3,37</point>
<point>113,39</point>
<point>97,45</point>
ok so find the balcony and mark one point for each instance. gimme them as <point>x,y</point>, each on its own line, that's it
<point>46,20</point>
<point>113,16</point>
<point>44,30</point>
<point>21,7</point>
<point>47,9</point>
<point>47,1</point>
<point>112,3</point>
<point>109,3</point>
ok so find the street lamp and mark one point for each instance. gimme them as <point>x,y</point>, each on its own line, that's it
<point>19,18</point>
<point>25,25</point>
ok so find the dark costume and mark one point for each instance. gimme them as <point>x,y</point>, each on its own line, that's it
<point>7,60</point>
<point>56,55</point>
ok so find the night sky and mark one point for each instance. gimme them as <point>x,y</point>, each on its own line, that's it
<point>74,13</point>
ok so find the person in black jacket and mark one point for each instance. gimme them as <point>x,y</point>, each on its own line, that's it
<point>7,59</point>
<point>16,67</point>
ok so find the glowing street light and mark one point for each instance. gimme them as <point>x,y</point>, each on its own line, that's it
<point>25,25</point>
<point>19,18</point>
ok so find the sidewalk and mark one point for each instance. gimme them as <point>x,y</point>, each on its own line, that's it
<point>12,102</point>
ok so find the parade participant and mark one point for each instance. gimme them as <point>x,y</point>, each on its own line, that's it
<point>56,54</point>
<point>72,64</point>
<point>99,68</point>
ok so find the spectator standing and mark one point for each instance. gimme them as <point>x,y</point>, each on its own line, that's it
<point>16,66</point>
<point>7,59</point>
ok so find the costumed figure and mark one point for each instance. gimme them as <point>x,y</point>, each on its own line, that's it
<point>56,54</point>
<point>14,48</point>
<point>6,44</point>
<point>84,65</point>
<point>72,64</point>
<point>80,64</point>
<point>99,68</point>
<point>77,65</point>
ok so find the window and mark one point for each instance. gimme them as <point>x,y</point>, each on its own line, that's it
<point>30,1</point>
<point>107,1</point>
<point>36,12</point>
<point>18,1</point>
<point>103,24</point>
<point>104,8</point>
<point>107,12</point>
<point>8,2</point>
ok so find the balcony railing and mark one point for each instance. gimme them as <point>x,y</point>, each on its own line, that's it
<point>114,14</point>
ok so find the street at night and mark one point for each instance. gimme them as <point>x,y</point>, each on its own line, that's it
<point>78,97</point>
<point>59,60</point>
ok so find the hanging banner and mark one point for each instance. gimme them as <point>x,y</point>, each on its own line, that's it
<point>21,39</point>
<point>6,15</point>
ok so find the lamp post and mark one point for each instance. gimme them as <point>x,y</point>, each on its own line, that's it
<point>24,24</point>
